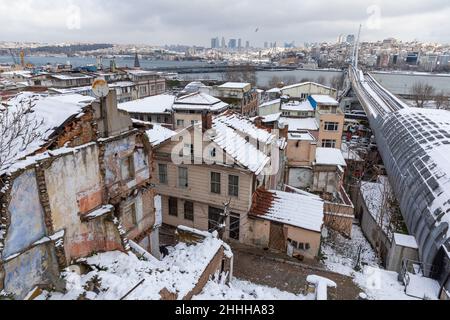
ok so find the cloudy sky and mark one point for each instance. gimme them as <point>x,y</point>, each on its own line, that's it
<point>194,22</point>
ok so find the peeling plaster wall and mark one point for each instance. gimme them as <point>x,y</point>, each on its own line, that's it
<point>120,149</point>
<point>37,266</point>
<point>27,217</point>
<point>145,217</point>
<point>31,266</point>
<point>74,186</point>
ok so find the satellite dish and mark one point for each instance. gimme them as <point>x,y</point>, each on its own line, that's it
<point>100,88</point>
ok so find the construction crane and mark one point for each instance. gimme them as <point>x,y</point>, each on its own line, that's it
<point>11,52</point>
<point>19,61</point>
<point>22,58</point>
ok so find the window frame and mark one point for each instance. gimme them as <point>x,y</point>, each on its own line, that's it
<point>173,206</point>
<point>231,186</point>
<point>190,216</point>
<point>166,176</point>
<point>130,167</point>
<point>334,125</point>
<point>332,144</point>
<point>182,179</point>
<point>215,185</point>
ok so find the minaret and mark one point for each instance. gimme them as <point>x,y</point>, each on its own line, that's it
<point>137,64</point>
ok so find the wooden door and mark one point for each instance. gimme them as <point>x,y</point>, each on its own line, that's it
<point>277,240</point>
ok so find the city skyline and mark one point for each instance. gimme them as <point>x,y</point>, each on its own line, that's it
<point>171,22</point>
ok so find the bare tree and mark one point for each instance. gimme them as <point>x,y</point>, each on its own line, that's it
<point>275,82</point>
<point>337,82</point>
<point>388,214</point>
<point>246,73</point>
<point>441,101</point>
<point>422,93</point>
<point>305,80</point>
<point>249,74</point>
<point>288,80</point>
<point>19,128</point>
<point>321,80</point>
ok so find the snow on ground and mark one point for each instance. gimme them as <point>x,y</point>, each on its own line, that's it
<point>380,284</point>
<point>244,290</point>
<point>115,273</point>
<point>341,256</point>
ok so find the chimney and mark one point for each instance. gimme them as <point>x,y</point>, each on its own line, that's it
<point>206,121</point>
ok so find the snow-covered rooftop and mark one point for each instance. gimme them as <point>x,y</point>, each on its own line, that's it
<point>271,117</point>
<point>121,84</point>
<point>244,125</point>
<point>270,103</point>
<point>305,84</point>
<point>304,106</point>
<point>274,90</point>
<point>324,99</point>
<point>235,85</point>
<point>299,210</point>
<point>301,136</point>
<point>61,76</point>
<point>330,156</point>
<point>405,240</point>
<point>296,124</point>
<point>200,101</point>
<point>230,131</point>
<point>53,111</point>
<point>159,134</point>
<point>74,90</point>
<point>139,72</point>
<point>156,104</point>
<point>22,73</point>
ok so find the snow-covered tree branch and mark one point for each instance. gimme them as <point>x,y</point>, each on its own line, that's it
<point>18,129</point>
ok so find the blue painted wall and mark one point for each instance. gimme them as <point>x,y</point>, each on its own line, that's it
<point>26,213</point>
<point>34,267</point>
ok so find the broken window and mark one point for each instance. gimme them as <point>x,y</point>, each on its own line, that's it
<point>129,212</point>
<point>127,168</point>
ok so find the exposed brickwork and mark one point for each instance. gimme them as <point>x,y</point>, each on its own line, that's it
<point>43,195</point>
<point>122,233</point>
<point>77,132</point>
